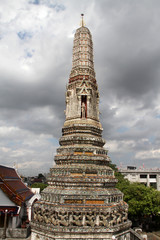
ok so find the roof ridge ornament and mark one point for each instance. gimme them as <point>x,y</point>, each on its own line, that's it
<point>82,24</point>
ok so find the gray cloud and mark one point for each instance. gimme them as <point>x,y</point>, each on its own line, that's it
<point>36,51</point>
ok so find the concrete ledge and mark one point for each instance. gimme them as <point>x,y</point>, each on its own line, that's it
<point>16,232</point>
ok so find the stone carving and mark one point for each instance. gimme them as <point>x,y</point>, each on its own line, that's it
<point>63,218</point>
<point>38,215</point>
<point>119,218</point>
<point>82,194</point>
<point>90,219</point>
<point>124,215</point>
<point>54,219</point>
<point>76,219</point>
<point>104,219</point>
<point>113,220</point>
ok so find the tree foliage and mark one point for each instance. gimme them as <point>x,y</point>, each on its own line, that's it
<point>39,185</point>
<point>143,201</point>
<point>40,175</point>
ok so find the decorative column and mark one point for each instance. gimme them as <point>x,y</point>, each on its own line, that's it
<point>5,224</point>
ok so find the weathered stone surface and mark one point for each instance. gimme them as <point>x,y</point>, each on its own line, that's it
<point>16,233</point>
<point>81,201</point>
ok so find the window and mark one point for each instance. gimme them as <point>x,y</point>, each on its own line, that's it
<point>152,176</point>
<point>154,185</point>
<point>143,175</point>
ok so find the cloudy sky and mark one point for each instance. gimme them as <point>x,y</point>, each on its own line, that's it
<point>36,40</point>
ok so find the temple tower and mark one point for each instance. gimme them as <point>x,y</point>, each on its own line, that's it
<point>81,201</point>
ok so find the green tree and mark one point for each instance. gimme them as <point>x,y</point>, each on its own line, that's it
<point>40,175</point>
<point>122,182</point>
<point>39,185</point>
<point>144,202</point>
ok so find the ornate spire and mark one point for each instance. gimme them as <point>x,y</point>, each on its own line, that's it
<point>81,201</point>
<point>82,20</point>
<point>82,60</point>
<point>82,96</point>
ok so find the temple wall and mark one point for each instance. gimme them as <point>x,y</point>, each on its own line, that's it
<point>128,235</point>
<point>16,232</point>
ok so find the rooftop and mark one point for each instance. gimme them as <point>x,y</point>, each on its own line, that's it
<point>12,185</point>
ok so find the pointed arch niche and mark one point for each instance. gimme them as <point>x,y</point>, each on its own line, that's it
<point>83,106</point>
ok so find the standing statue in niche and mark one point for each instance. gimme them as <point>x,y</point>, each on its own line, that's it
<point>83,110</point>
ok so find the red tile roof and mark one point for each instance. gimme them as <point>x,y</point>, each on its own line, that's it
<point>12,185</point>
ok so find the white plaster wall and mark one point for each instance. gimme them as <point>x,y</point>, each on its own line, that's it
<point>4,200</point>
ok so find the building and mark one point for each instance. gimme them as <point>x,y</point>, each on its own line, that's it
<point>149,177</point>
<point>81,201</point>
<point>16,202</point>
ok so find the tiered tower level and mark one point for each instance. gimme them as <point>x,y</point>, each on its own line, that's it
<point>81,201</point>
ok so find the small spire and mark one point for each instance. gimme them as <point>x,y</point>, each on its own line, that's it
<point>82,21</point>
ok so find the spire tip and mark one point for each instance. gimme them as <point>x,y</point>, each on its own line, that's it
<point>82,21</point>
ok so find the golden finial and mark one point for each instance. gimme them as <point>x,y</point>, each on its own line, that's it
<point>82,21</point>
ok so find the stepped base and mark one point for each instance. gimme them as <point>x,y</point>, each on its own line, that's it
<point>120,232</point>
